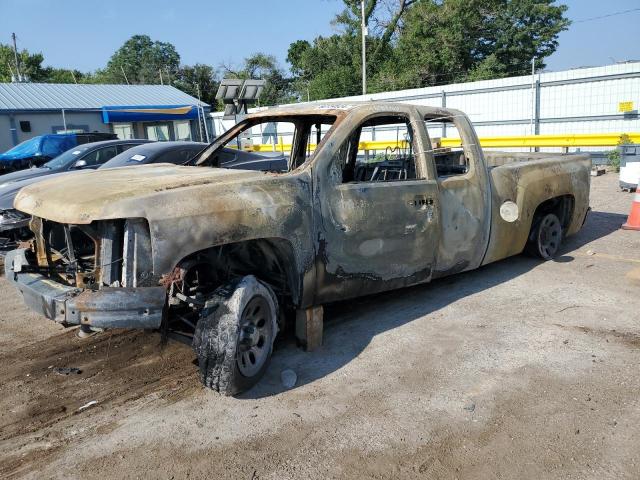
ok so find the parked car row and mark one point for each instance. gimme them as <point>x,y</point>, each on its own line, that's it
<point>90,156</point>
<point>42,148</point>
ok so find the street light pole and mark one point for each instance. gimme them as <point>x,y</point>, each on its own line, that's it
<point>364,52</point>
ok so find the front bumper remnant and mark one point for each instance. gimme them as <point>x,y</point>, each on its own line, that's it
<point>105,308</point>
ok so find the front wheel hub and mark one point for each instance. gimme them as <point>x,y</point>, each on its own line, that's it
<point>256,337</point>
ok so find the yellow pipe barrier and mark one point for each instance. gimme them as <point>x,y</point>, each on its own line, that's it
<point>567,140</point>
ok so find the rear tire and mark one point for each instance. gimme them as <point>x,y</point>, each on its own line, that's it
<point>545,237</point>
<point>235,334</point>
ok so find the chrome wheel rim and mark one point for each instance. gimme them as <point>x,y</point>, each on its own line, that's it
<point>549,236</point>
<point>256,333</point>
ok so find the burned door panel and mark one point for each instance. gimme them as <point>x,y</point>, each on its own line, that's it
<point>377,221</point>
<point>465,195</point>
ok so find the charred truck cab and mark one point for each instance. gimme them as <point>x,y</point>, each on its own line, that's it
<point>219,258</point>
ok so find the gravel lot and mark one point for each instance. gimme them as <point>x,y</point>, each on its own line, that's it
<point>521,369</point>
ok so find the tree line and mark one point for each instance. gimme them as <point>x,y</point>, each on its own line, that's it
<point>410,44</point>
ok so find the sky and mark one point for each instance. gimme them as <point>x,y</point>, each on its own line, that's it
<point>83,34</point>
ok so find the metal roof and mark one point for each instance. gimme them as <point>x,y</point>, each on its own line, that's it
<point>55,96</point>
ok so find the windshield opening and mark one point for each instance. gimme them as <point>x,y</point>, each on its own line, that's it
<point>270,144</point>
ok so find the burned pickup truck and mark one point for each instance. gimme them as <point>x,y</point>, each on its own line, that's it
<point>377,196</point>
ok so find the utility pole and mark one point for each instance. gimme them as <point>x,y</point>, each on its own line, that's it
<point>161,81</point>
<point>204,118</point>
<point>15,54</point>
<point>199,117</point>
<point>364,52</point>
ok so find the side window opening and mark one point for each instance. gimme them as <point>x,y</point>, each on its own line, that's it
<point>100,156</point>
<point>106,154</point>
<point>177,156</point>
<point>379,150</point>
<point>447,147</point>
<point>125,146</point>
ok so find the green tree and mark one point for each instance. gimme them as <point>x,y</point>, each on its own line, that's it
<point>415,43</point>
<point>65,75</point>
<point>142,61</point>
<point>383,19</point>
<point>30,64</point>
<point>461,40</point>
<point>332,66</point>
<point>190,77</point>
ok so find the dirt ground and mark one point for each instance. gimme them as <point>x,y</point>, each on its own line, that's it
<point>521,369</point>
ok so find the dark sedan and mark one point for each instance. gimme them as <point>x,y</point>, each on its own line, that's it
<point>157,152</point>
<point>183,152</point>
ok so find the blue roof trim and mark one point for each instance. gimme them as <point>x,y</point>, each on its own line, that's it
<point>148,113</point>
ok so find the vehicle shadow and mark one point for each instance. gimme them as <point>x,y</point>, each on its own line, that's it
<point>598,225</point>
<point>350,326</point>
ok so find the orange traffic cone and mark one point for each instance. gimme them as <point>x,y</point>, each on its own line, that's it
<point>633,222</point>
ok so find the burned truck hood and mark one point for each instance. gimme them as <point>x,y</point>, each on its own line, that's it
<point>9,191</point>
<point>127,192</point>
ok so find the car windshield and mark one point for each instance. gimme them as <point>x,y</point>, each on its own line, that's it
<point>66,158</point>
<point>26,148</point>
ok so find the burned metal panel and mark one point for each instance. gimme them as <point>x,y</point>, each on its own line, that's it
<point>117,308</point>
<point>137,256</point>
<point>528,184</point>
<point>104,308</point>
<point>270,207</point>
<point>465,215</point>
<point>372,236</point>
<point>118,193</point>
<point>42,295</point>
<point>110,255</point>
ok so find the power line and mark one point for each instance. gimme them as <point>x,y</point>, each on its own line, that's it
<point>608,15</point>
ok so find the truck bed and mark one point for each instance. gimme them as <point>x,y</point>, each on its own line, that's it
<point>528,180</point>
<point>497,158</point>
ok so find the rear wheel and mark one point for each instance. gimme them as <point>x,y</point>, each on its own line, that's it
<point>235,334</point>
<point>546,237</point>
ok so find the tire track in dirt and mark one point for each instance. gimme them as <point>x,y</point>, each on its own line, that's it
<point>119,369</point>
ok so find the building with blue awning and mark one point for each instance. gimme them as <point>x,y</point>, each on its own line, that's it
<point>157,112</point>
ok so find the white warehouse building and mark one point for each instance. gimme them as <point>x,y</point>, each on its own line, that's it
<point>584,100</point>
